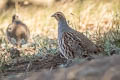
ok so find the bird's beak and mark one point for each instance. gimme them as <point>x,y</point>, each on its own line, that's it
<point>53,15</point>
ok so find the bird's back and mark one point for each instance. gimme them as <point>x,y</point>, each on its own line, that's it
<point>21,30</point>
<point>85,42</point>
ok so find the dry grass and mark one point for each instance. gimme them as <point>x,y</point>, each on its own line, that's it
<point>86,15</point>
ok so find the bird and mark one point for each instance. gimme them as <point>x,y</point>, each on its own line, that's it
<point>72,44</point>
<point>17,32</point>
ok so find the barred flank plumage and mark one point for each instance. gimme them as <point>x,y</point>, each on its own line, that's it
<point>72,44</point>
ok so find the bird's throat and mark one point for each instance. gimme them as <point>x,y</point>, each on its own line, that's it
<point>62,27</point>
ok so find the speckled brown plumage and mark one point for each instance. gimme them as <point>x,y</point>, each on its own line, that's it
<point>17,32</point>
<point>72,44</point>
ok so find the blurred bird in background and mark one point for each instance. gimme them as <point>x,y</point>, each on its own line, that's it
<point>17,32</point>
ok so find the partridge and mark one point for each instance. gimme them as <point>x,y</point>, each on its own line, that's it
<point>72,44</point>
<point>17,32</point>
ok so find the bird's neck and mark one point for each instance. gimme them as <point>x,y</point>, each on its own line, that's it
<point>62,25</point>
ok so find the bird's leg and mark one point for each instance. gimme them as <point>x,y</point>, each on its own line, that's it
<point>68,63</point>
<point>19,46</point>
<point>15,46</point>
<point>18,52</point>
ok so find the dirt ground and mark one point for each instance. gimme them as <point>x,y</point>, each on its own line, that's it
<point>50,61</point>
<point>38,63</point>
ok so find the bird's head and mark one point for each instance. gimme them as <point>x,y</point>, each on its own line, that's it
<point>58,16</point>
<point>14,18</point>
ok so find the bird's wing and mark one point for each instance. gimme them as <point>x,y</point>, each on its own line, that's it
<point>72,44</point>
<point>85,42</point>
<point>24,27</point>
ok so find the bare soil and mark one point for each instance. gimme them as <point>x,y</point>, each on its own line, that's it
<point>50,61</point>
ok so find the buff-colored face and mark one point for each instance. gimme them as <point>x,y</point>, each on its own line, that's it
<point>58,16</point>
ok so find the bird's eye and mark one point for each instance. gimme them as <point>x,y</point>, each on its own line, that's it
<point>58,14</point>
